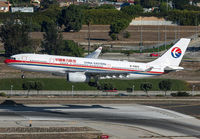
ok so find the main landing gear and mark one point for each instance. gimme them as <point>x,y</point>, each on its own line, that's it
<point>94,83</point>
<point>22,76</point>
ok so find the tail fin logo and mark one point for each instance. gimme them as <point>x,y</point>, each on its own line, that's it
<point>176,52</point>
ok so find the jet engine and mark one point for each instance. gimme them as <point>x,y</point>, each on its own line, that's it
<point>77,77</point>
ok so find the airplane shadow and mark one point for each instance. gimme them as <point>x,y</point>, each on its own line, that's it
<point>13,106</point>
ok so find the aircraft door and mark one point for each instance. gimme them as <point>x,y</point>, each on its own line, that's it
<point>108,65</point>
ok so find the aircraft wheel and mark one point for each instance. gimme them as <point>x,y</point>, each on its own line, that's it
<point>22,76</point>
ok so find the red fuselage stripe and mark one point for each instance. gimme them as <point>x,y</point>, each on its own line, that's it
<point>10,61</point>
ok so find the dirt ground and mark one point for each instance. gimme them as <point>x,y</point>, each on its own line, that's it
<point>147,34</point>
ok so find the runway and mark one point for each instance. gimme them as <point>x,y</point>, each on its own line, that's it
<point>119,121</point>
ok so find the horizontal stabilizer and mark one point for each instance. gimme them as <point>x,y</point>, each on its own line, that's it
<point>173,68</point>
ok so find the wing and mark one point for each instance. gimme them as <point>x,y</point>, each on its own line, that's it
<point>95,54</point>
<point>108,74</point>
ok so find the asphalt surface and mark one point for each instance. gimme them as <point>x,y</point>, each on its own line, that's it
<point>118,120</point>
<point>188,109</point>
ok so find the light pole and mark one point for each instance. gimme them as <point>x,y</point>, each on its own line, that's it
<point>196,27</point>
<point>179,23</point>
<point>11,88</point>
<point>72,90</point>
<point>193,87</point>
<point>133,88</point>
<point>158,35</point>
<point>165,36</point>
<point>141,36</point>
<point>88,37</point>
<point>158,32</point>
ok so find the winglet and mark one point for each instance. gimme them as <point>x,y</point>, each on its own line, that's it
<point>95,54</point>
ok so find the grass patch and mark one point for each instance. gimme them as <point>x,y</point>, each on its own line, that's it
<point>2,51</point>
<point>145,50</point>
<point>49,84</point>
<point>151,50</point>
<point>61,84</point>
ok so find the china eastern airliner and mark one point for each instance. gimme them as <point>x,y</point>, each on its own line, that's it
<point>77,69</point>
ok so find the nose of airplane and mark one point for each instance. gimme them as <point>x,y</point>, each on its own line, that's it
<point>6,61</point>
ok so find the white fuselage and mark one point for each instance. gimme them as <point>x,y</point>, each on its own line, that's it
<point>64,64</point>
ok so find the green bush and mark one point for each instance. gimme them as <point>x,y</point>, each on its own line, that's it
<point>159,95</point>
<point>184,17</point>
<point>129,89</point>
<point>113,36</point>
<point>34,20</point>
<point>105,6</point>
<point>71,17</point>
<point>38,85</point>
<point>2,94</point>
<point>105,16</point>
<point>28,85</point>
<point>126,34</point>
<point>146,87</point>
<point>61,84</point>
<point>173,94</point>
<point>165,86</point>
<point>132,10</point>
<point>180,94</point>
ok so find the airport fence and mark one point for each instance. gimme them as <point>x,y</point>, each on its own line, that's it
<point>90,93</point>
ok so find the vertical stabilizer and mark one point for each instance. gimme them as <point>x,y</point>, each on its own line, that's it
<point>174,55</point>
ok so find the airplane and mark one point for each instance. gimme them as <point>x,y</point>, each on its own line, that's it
<point>77,69</point>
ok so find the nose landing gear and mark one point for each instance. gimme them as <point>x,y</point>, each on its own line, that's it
<point>22,76</point>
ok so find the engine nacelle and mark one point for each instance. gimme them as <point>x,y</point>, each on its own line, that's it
<point>77,77</point>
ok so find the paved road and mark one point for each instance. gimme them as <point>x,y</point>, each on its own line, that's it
<point>120,121</point>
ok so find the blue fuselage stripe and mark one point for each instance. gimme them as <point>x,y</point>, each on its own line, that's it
<point>82,68</point>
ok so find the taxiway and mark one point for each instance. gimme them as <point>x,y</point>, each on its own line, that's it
<point>119,121</point>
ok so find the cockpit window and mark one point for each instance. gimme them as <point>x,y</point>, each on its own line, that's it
<point>13,58</point>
